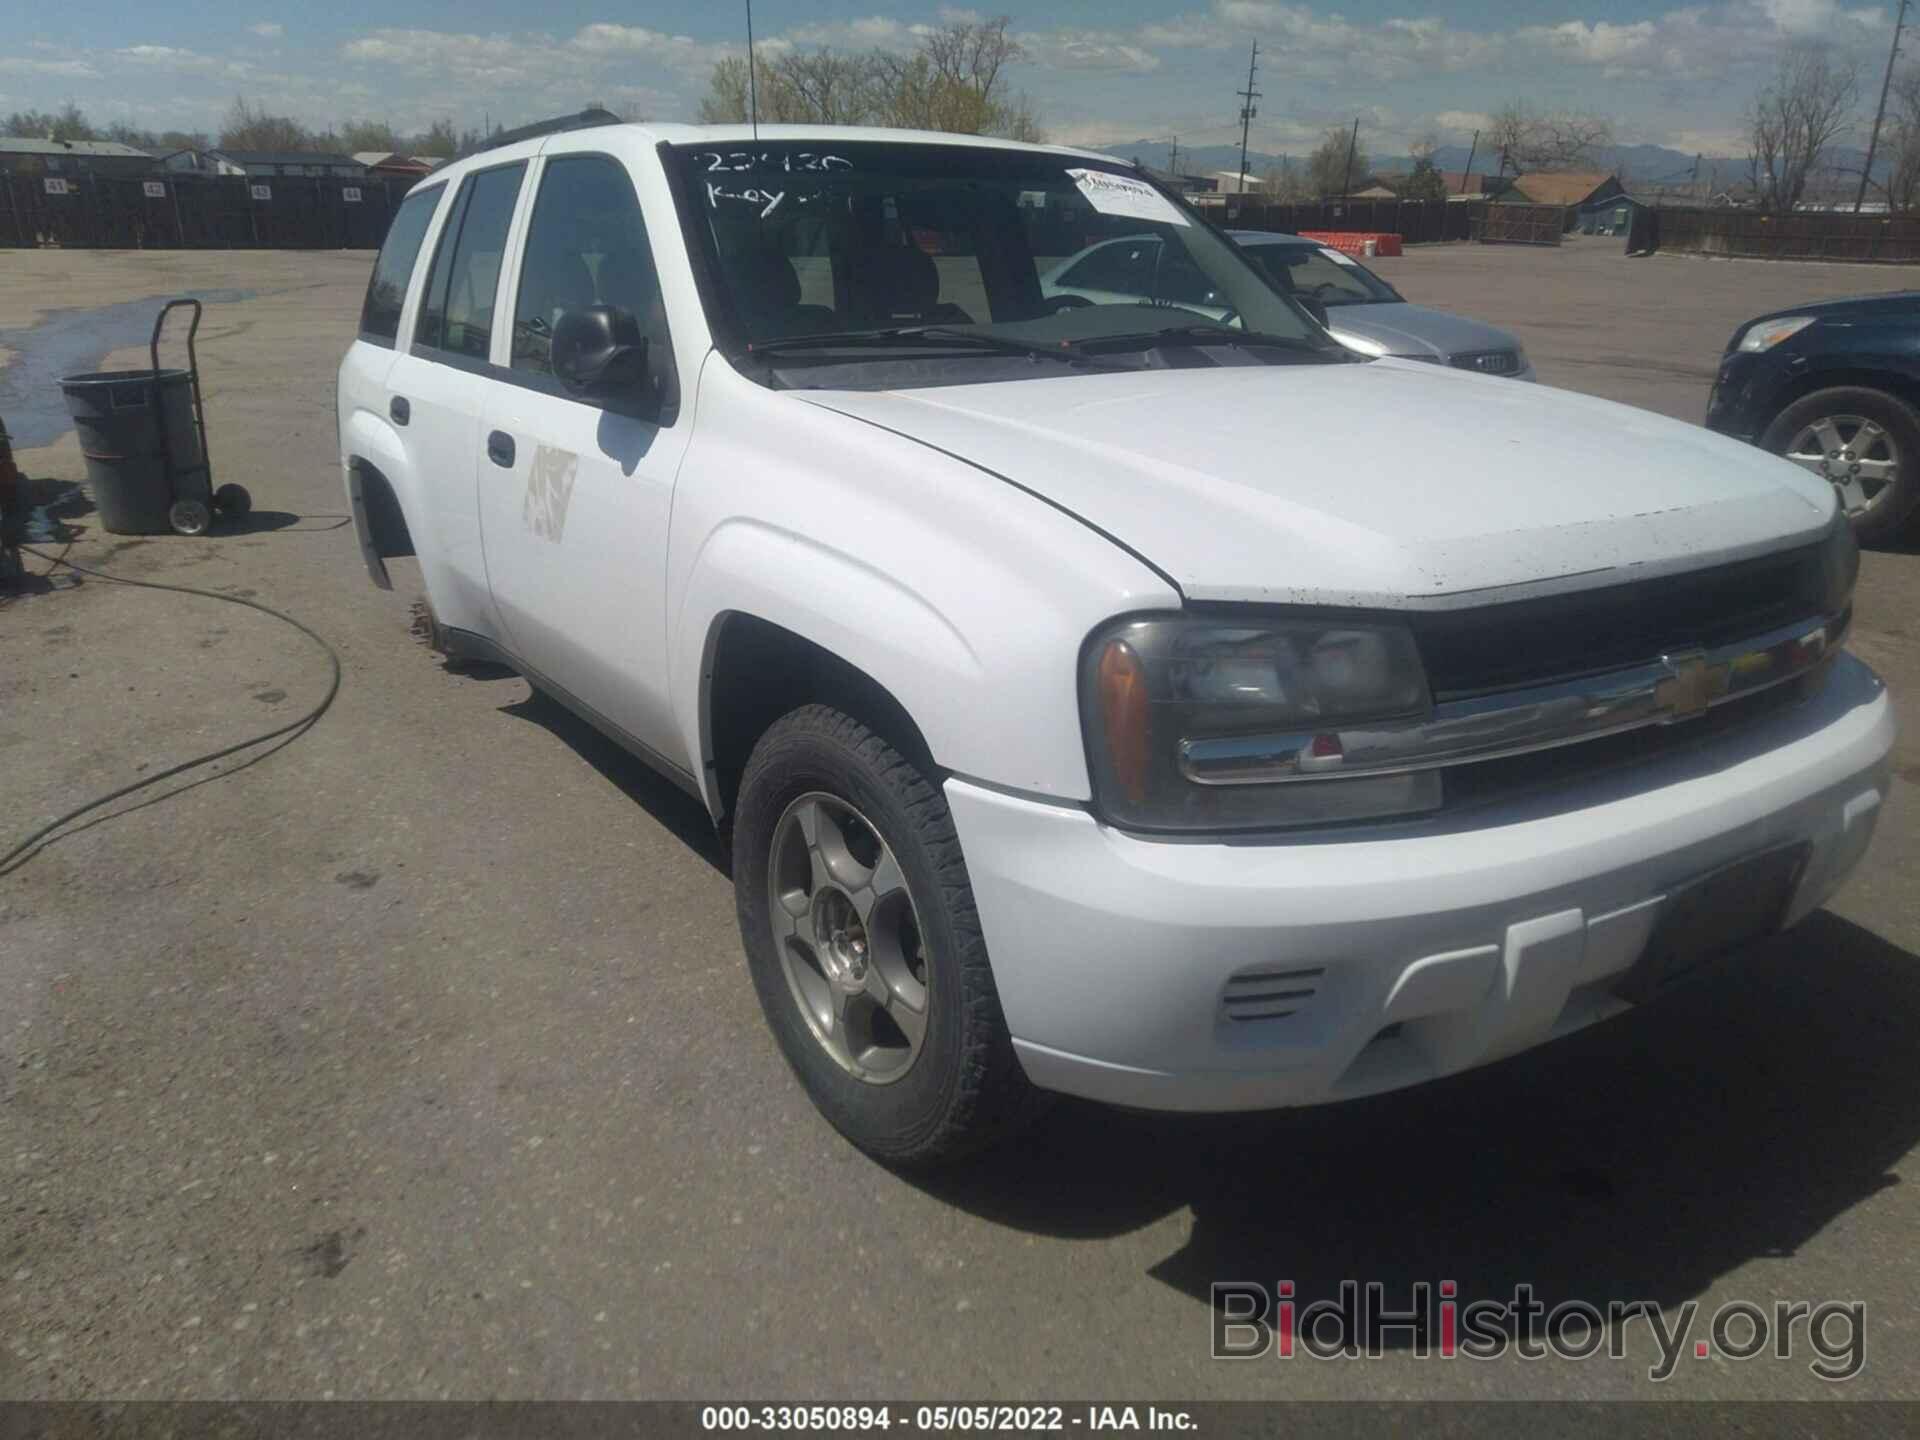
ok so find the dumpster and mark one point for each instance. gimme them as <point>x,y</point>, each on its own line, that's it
<point>114,413</point>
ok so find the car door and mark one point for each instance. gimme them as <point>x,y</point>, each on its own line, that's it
<point>435,387</point>
<point>575,492</point>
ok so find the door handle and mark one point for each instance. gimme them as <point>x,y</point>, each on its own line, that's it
<point>399,409</point>
<point>500,449</point>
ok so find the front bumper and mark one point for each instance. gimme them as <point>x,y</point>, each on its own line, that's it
<point>1404,958</point>
<point>1742,403</point>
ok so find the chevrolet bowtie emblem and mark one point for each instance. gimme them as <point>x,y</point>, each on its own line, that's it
<point>1691,686</point>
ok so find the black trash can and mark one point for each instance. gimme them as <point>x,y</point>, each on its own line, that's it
<point>113,413</point>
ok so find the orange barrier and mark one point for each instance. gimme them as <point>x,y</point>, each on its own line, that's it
<point>1355,242</point>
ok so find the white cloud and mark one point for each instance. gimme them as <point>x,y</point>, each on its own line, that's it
<point>1086,50</point>
<point>654,45</point>
<point>267,29</point>
<point>63,69</point>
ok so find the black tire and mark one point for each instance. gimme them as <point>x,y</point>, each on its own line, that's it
<point>1895,504</point>
<point>965,1088</point>
<point>233,501</point>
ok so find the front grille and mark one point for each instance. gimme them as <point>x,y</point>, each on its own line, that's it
<point>1532,642</point>
<point>1487,362</point>
<point>1513,777</point>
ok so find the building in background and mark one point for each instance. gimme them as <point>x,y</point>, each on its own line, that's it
<point>270,164</point>
<point>71,159</point>
<point>382,166</point>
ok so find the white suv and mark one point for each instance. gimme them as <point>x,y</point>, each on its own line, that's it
<point>1152,703</point>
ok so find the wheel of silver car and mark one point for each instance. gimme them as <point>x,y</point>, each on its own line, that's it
<point>1855,454</point>
<point>864,946</point>
<point>1863,442</point>
<point>848,937</point>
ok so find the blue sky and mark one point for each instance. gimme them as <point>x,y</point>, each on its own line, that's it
<point>1100,71</point>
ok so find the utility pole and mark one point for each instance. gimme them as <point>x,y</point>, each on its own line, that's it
<point>1466,175</point>
<point>1352,141</point>
<point>1247,111</point>
<point>1173,155</point>
<point>1886,83</point>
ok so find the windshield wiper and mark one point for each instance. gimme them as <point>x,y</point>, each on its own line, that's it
<point>937,337</point>
<point>1199,335</point>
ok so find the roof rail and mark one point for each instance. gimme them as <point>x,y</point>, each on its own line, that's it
<point>585,120</point>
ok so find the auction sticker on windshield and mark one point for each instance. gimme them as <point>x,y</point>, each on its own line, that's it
<point>1339,258</point>
<point>1112,194</point>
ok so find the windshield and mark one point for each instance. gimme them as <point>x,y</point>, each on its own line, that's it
<point>995,252</point>
<point>1317,272</point>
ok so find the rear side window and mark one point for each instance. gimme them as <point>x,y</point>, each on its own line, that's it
<point>387,291</point>
<point>457,312</point>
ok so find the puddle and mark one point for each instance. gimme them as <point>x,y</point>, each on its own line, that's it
<point>68,342</point>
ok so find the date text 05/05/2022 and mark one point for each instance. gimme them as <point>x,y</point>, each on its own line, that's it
<point>943,1418</point>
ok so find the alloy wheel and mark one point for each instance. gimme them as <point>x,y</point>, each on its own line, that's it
<point>849,937</point>
<point>1852,453</point>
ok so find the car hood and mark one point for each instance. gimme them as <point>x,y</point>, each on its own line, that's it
<point>1403,329</point>
<point>1382,483</point>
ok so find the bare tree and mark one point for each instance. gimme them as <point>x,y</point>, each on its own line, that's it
<point>249,127</point>
<point>1530,140</point>
<point>1327,168</point>
<point>830,88</point>
<point>70,124</point>
<point>954,81</point>
<point>363,135</point>
<point>1795,120</point>
<point>1422,146</point>
<point>1900,144</point>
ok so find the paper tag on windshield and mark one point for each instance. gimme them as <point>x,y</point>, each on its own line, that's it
<point>1113,194</point>
<point>1338,258</point>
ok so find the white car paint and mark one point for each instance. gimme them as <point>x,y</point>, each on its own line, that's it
<point>959,545</point>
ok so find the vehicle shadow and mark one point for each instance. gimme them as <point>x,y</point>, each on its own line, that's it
<point>256,522</point>
<point>1730,1119</point>
<point>676,810</point>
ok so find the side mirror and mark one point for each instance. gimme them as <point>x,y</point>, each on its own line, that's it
<point>598,350</point>
<point>1313,308</point>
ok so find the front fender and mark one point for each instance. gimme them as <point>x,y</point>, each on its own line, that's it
<point>965,598</point>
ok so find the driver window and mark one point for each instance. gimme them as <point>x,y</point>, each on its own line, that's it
<point>586,245</point>
<point>1313,274</point>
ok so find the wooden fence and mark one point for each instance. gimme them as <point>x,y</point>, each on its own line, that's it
<point>197,212</point>
<point>1747,235</point>
<point>1521,225</point>
<point>1415,221</point>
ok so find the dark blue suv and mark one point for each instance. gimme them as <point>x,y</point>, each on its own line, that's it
<point>1834,387</point>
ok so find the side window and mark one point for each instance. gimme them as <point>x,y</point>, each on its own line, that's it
<point>587,245</point>
<point>387,291</point>
<point>1317,276</point>
<point>456,313</point>
<point>1123,266</point>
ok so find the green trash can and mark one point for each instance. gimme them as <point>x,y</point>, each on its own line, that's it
<point>114,415</point>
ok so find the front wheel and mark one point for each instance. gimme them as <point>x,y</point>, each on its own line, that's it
<point>1865,443</point>
<point>863,943</point>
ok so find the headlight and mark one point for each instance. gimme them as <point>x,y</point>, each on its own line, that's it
<point>1199,724</point>
<point>1769,333</point>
